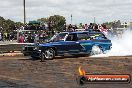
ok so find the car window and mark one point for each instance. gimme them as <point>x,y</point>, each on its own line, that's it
<point>83,36</point>
<point>97,36</point>
<point>72,37</point>
<point>58,37</point>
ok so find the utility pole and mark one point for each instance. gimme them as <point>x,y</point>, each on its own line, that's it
<point>24,5</point>
<point>71,18</point>
<point>94,20</point>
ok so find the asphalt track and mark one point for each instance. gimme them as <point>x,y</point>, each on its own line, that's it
<point>23,72</point>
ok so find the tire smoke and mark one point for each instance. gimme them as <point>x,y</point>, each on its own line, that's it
<point>121,45</point>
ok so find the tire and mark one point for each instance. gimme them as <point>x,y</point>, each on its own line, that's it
<point>25,54</point>
<point>35,58</point>
<point>48,54</point>
<point>42,56</point>
<point>96,50</point>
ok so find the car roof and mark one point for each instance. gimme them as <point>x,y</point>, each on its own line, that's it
<point>76,32</point>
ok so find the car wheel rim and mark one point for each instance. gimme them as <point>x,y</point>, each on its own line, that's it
<point>96,50</point>
<point>49,54</point>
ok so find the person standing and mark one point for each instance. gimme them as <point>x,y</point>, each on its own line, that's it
<point>90,26</point>
<point>0,36</point>
<point>36,39</point>
<point>21,39</point>
<point>70,28</point>
<point>86,27</point>
<point>5,34</point>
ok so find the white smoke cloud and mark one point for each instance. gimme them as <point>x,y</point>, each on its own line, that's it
<point>121,46</point>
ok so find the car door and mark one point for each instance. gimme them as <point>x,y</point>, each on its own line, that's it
<point>58,43</point>
<point>67,47</point>
<point>85,42</point>
<point>71,44</point>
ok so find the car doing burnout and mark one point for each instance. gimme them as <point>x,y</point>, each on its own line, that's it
<point>72,43</point>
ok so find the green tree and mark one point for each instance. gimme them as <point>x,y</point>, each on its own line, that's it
<point>18,24</point>
<point>55,22</point>
<point>43,20</point>
<point>7,25</point>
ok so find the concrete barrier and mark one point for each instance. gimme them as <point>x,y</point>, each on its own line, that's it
<point>5,48</point>
<point>11,54</point>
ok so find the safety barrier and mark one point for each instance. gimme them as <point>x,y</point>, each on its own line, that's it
<point>12,47</point>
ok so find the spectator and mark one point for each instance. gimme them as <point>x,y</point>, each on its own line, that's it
<point>11,35</point>
<point>8,37</point>
<point>90,26</point>
<point>64,27</point>
<point>86,27</point>
<point>104,29</point>
<point>29,38</point>
<point>75,27</point>
<point>21,39</point>
<point>70,28</point>
<point>36,39</point>
<point>5,34</point>
<point>96,28</point>
<point>0,37</point>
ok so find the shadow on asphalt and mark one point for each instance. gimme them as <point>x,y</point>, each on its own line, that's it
<point>58,57</point>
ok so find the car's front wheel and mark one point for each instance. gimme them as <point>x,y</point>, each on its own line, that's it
<point>48,54</point>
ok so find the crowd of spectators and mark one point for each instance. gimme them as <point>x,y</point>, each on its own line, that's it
<point>87,27</point>
<point>4,36</point>
<point>33,36</point>
<point>41,33</point>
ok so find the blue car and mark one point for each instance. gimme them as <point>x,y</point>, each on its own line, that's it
<point>72,43</point>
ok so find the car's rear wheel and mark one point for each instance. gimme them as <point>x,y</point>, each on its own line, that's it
<point>48,54</point>
<point>96,50</point>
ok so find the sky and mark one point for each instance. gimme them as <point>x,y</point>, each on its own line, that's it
<point>83,11</point>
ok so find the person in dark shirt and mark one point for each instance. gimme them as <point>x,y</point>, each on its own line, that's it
<point>96,28</point>
<point>90,26</point>
<point>70,28</point>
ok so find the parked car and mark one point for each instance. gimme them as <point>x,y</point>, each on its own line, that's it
<point>72,43</point>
